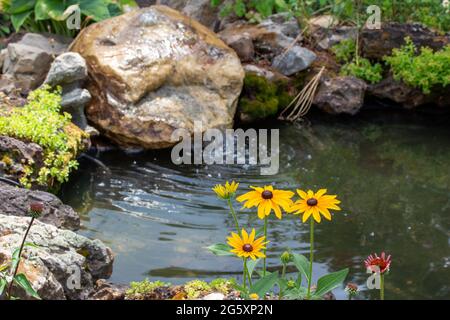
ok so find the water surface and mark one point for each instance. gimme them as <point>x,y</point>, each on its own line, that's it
<point>391,172</point>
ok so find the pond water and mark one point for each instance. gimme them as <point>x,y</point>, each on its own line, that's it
<point>391,173</point>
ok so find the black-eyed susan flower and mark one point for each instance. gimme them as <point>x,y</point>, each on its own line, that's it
<point>315,204</point>
<point>227,190</point>
<point>267,199</point>
<point>246,246</point>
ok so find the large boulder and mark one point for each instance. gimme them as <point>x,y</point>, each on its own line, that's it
<point>154,70</point>
<point>62,265</point>
<point>341,95</point>
<point>16,201</point>
<point>27,61</point>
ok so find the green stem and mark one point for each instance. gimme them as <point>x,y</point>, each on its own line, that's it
<point>233,213</point>
<point>18,262</point>
<point>265,249</point>
<point>311,256</point>
<point>381,286</point>
<point>244,284</point>
<point>283,276</point>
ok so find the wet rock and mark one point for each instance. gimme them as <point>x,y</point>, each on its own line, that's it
<point>294,60</point>
<point>144,87</point>
<point>67,68</point>
<point>378,43</point>
<point>74,261</point>
<point>341,95</point>
<point>16,201</point>
<point>105,290</point>
<point>28,60</point>
<point>408,97</point>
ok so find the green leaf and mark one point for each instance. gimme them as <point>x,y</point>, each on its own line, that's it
<point>215,3</point>
<point>21,6</point>
<point>96,9</point>
<point>296,293</point>
<point>49,9</point>
<point>263,285</point>
<point>220,249</point>
<point>18,19</point>
<point>3,284</point>
<point>302,264</point>
<point>23,282</point>
<point>330,281</point>
<point>239,8</point>
<point>251,264</point>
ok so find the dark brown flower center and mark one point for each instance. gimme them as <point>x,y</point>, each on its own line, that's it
<point>247,247</point>
<point>312,202</point>
<point>37,207</point>
<point>267,194</point>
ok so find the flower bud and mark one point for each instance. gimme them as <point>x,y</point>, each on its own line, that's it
<point>286,257</point>
<point>36,209</point>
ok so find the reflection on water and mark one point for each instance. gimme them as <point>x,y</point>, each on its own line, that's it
<point>392,176</point>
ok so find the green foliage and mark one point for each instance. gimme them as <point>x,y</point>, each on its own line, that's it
<point>344,50</point>
<point>424,70</point>
<point>262,98</point>
<point>51,15</point>
<point>144,287</point>
<point>252,9</point>
<point>363,69</point>
<point>40,121</point>
<point>222,285</point>
<point>195,288</point>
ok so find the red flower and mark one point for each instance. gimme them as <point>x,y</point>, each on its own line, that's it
<point>378,264</point>
<point>36,209</point>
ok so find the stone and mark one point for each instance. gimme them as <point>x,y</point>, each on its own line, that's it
<point>326,38</point>
<point>67,68</point>
<point>214,296</point>
<point>270,38</point>
<point>323,22</point>
<point>105,290</point>
<point>74,100</point>
<point>294,60</point>
<point>341,95</point>
<point>144,87</point>
<point>409,97</point>
<point>266,72</point>
<point>378,43</point>
<point>243,45</point>
<point>60,253</point>
<point>16,201</point>
<point>28,60</point>
<point>2,58</point>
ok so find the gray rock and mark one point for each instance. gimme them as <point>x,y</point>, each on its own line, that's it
<point>71,259</point>
<point>327,38</point>
<point>341,95</point>
<point>16,201</point>
<point>74,99</point>
<point>2,58</point>
<point>294,60</point>
<point>67,68</point>
<point>28,61</point>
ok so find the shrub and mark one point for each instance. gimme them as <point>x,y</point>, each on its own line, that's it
<point>344,50</point>
<point>363,69</point>
<point>424,69</point>
<point>51,15</point>
<point>144,287</point>
<point>40,121</point>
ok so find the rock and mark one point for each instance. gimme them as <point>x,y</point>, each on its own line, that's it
<point>266,72</point>
<point>74,100</point>
<point>28,60</point>
<point>378,43</point>
<point>174,73</point>
<point>270,38</point>
<point>323,22</point>
<point>16,201</point>
<point>409,97</point>
<point>243,45</point>
<point>67,68</point>
<point>61,257</point>
<point>107,291</point>
<point>2,58</point>
<point>199,10</point>
<point>294,60</point>
<point>341,95</point>
<point>214,296</point>
<point>327,38</point>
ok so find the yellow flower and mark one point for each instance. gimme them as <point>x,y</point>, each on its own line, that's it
<point>226,191</point>
<point>266,199</point>
<point>254,296</point>
<point>246,246</point>
<point>315,204</point>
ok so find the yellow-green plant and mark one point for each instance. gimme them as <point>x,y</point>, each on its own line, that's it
<point>424,69</point>
<point>41,122</point>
